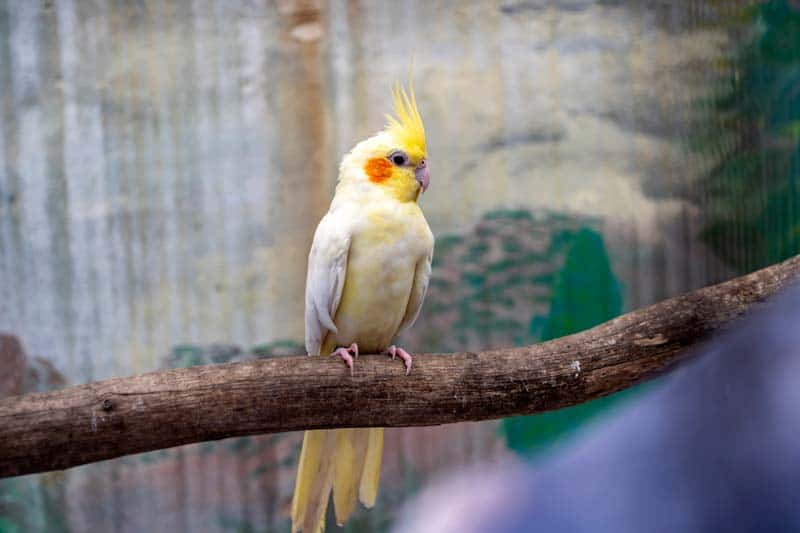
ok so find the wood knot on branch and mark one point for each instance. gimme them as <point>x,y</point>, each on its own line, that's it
<point>651,341</point>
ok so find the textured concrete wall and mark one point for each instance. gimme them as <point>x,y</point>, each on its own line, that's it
<point>163,166</point>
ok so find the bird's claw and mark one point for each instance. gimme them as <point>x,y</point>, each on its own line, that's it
<point>345,354</point>
<point>395,351</point>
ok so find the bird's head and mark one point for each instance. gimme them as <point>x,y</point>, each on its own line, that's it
<point>394,161</point>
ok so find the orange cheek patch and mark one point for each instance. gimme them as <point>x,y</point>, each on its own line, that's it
<point>378,169</point>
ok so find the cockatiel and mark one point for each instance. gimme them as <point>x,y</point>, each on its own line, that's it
<point>368,272</point>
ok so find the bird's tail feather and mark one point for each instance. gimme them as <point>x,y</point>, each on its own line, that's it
<point>345,460</point>
<point>368,489</point>
<point>351,451</point>
<point>313,485</point>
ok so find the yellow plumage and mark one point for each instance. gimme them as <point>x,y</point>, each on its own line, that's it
<point>407,127</point>
<point>367,277</point>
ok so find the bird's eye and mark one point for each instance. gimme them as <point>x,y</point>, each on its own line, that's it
<point>398,158</point>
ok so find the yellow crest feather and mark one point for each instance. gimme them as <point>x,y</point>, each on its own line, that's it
<point>406,126</point>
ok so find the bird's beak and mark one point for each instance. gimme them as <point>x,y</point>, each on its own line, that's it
<point>423,175</point>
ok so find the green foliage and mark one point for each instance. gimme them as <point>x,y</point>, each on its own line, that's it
<point>750,132</point>
<point>186,355</point>
<point>444,245</point>
<point>585,293</point>
<point>490,283</point>
<point>278,348</point>
<point>517,278</point>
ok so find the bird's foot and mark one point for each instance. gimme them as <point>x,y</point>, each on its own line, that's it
<point>347,354</point>
<point>394,351</point>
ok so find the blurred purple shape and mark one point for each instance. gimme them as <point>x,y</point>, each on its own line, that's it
<point>714,447</point>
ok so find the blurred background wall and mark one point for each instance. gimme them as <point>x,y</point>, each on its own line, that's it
<point>163,166</point>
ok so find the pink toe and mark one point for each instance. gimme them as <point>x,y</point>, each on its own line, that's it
<point>346,357</point>
<point>406,357</point>
<point>402,354</point>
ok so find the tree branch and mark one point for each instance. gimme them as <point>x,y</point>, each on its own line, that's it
<point>106,419</point>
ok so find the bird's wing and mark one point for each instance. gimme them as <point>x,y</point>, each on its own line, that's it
<point>327,269</point>
<point>422,275</point>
